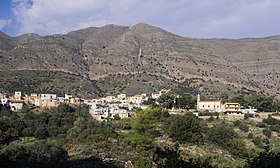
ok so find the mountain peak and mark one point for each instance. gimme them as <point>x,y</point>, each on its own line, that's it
<point>142,25</point>
<point>4,36</point>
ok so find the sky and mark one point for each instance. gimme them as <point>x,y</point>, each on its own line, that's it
<point>190,18</point>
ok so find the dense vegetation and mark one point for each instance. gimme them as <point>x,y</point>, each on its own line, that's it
<point>258,101</point>
<point>70,137</point>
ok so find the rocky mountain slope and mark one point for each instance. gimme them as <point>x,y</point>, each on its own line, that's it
<point>143,57</point>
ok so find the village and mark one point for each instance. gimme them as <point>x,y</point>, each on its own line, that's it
<point>121,105</point>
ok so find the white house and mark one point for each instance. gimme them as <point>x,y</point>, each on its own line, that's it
<point>47,96</point>
<point>16,104</point>
<point>233,107</point>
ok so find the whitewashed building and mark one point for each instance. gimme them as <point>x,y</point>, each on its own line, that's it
<point>210,105</point>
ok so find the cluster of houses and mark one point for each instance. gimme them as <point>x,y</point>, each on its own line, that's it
<point>121,105</point>
<point>102,108</point>
<point>17,101</point>
<point>228,110</point>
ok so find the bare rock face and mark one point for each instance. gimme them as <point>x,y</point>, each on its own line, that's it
<point>98,53</point>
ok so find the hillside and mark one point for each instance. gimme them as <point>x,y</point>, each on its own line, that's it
<point>147,57</point>
<point>68,137</point>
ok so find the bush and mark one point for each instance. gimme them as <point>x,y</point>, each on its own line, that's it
<point>250,135</point>
<point>237,148</point>
<point>246,116</point>
<point>143,163</point>
<point>168,157</point>
<point>237,123</point>
<point>243,127</point>
<point>210,119</point>
<point>146,120</point>
<point>117,117</point>
<point>271,121</point>
<point>221,134</point>
<point>33,154</point>
<point>275,128</point>
<point>266,159</point>
<point>225,136</point>
<point>185,128</point>
<point>267,132</point>
<point>258,142</point>
<point>261,125</point>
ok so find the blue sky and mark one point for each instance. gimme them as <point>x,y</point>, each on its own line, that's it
<point>190,18</point>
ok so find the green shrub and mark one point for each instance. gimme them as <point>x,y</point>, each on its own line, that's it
<point>271,121</point>
<point>243,127</point>
<point>266,159</point>
<point>237,123</point>
<point>275,128</point>
<point>33,154</point>
<point>225,137</point>
<point>267,132</point>
<point>257,141</point>
<point>261,125</point>
<point>210,119</point>
<point>250,135</point>
<point>246,116</point>
<point>221,134</point>
<point>143,163</point>
<point>185,128</point>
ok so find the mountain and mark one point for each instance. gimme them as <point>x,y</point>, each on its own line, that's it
<point>140,58</point>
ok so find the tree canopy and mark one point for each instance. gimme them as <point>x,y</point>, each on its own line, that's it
<point>185,128</point>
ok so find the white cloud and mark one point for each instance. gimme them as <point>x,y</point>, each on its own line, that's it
<point>4,23</point>
<point>204,18</point>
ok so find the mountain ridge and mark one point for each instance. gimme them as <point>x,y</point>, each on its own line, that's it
<point>100,53</point>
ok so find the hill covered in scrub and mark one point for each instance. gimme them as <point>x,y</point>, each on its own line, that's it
<point>124,58</point>
<point>70,137</point>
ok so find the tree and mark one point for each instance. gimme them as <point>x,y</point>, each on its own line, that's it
<point>41,133</point>
<point>7,132</point>
<point>260,102</point>
<point>225,136</point>
<point>185,128</point>
<point>266,159</point>
<point>38,153</point>
<point>147,120</point>
<point>65,108</point>
<point>221,134</point>
<point>185,102</point>
<point>239,99</point>
<point>166,100</point>
<point>151,102</point>
<point>145,127</point>
<point>168,157</point>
